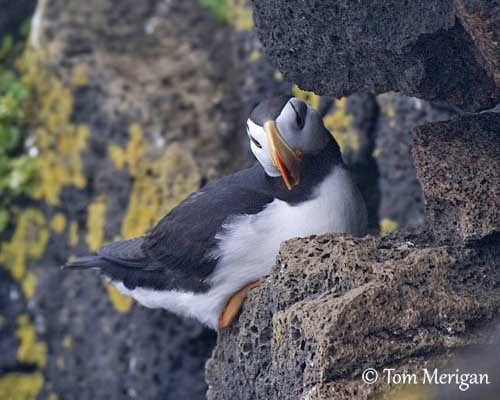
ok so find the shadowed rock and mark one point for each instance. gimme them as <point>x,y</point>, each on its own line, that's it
<point>418,48</point>
<point>458,165</point>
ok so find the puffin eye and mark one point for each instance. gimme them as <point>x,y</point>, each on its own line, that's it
<point>255,142</point>
<point>299,119</point>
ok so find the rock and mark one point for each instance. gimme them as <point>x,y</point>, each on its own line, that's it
<point>14,14</point>
<point>458,164</point>
<point>402,202</point>
<point>334,306</point>
<point>418,48</point>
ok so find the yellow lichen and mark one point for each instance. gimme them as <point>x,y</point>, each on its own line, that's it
<point>73,234</point>
<point>59,142</point>
<point>60,362</point>
<point>159,185</point>
<point>95,223</point>
<point>58,223</point>
<point>28,242</point>
<point>240,15</point>
<point>278,76</point>
<point>21,386</point>
<point>389,110</point>
<point>255,55</point>
<point>121,302</point>
<point>376,152</point>
<point>53,396</point>
<point>80,75</point>
<point>30,350</point>
<point>67,342</point>
<point>340,123</point>
<point>411,392</point>
<point>28,285</point>
<point>387,226</point>
<point>309,97</point>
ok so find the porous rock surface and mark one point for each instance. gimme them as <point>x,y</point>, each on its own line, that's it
<point>335,305</point>
<point>435,49</point>
<point>458,164</point>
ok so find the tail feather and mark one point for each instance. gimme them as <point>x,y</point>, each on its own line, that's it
<point>87,262</point>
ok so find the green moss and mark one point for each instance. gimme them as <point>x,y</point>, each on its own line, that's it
<point>218,8</point>
<point>236,12</point>
<point>16,168</point>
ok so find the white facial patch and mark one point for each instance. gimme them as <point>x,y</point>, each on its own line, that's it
<point>263,155</point>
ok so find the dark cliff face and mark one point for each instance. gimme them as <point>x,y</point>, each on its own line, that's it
<point>435,50</point>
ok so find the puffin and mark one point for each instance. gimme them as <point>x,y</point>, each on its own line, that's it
<point>203,257</point>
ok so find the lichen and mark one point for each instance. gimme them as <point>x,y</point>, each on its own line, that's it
<point>309,97</point>
<point>27,243</point>
<point>30,350</point>
<point>159,184</point>
<point>121,302</point>
<point>28,284</point>
<point>388,110</point>
<point>240,15</point>
<point>340,123</point>
<point>387,226</point>
<point>21,386</point>
<point>73,234</point>
<point>95,223</point>
<point>58,223</point>
<point>80,75</point>
<point>255,55</point>
<point>56,140</point>
<point>67,342</point>
<point>410,392</point>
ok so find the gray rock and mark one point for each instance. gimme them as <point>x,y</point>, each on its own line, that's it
<point>401,194</point>
<point>14,14</point>
<point>458,164</point>
<point>334,306</point>
<point>417,48</point>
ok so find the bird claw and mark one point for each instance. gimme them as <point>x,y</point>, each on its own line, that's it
<point>234,304</point>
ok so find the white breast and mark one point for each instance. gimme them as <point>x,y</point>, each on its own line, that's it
<point>248,245</point>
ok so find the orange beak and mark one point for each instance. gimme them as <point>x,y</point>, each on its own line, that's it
<point>283,156</point>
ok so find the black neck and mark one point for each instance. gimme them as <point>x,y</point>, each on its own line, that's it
<point>313,170</point>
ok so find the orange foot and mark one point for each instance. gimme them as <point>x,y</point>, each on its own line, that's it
<point>234,304</point>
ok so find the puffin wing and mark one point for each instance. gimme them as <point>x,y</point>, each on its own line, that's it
<point>175,254</point>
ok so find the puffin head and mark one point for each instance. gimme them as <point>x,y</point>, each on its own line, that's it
<point>282,131</point>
